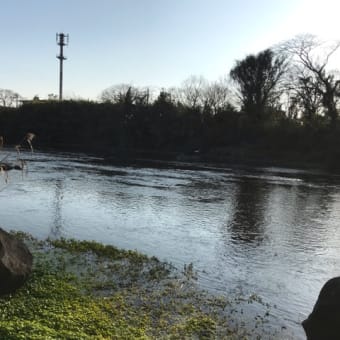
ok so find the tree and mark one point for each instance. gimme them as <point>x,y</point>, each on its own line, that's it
<point>199,94</point>
<point>305,99</point>
<point>192,92</point>
<point>126,93</point>
<point>164,99</point>
<point>52,96</point>
<point>9,98</point>
<point>258,79</point>
<point>216,95</point>
<point>310,57</point>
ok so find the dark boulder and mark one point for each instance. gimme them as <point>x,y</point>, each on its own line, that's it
<point>15,262</point>
<point>324,321</point>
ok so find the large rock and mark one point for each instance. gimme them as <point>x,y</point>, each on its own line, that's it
<point>15,262</point>
<point>324,321</point>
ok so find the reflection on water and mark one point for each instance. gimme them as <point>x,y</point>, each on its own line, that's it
<point>274,232</point>
<point>248,214</point>
<point>57,205</point>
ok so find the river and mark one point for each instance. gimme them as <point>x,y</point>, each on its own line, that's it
<point>270,231</point>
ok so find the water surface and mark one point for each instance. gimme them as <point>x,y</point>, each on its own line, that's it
<point>270,231</point>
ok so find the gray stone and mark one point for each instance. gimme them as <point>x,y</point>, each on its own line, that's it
<point>15,262</point>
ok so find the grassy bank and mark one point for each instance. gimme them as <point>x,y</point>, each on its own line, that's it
<point>84,290</point>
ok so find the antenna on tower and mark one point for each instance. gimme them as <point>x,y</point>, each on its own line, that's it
<point>62,40</point>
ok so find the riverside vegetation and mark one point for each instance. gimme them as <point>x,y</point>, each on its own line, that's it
<point>85,290</point>
<point>282,108</point>
<point>169,131</point>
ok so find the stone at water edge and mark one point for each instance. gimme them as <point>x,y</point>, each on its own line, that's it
<point>15,262</point>
<point>324,321</point>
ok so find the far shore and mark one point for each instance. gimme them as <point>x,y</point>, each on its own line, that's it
<point>215,159</point>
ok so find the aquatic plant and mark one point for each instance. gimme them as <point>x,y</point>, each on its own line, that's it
<point>98,249</point>
<point>19,164</point>
<point>85,290</point>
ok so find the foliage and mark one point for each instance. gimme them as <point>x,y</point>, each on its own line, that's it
<point>51,306</point>
<point>289,113</point>
<point>97,248</point>
<point>165,129</point>
<point>258,77</point>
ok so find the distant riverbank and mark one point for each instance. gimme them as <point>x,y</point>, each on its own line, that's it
<point>249,156</point>
<point>172,131</point>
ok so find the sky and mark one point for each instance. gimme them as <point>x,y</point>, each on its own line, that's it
<point>155,43</point>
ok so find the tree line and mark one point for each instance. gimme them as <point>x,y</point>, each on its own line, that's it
<point>281,102</point>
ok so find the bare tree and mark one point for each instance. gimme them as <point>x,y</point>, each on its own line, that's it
<point>305,99</point>
<point>52,96</point>
<point>314,83</point>
<point>123,93</point>
<point>115,93</point>
<point>175,93</point>
<point>9,98</point>
<point>216,95</point>
<point>192,91</point>
<point>197,92</point>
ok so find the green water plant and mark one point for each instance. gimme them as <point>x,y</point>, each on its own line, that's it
<point>86,290</point>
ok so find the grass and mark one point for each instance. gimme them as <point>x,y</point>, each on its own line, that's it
<point>85,290</point>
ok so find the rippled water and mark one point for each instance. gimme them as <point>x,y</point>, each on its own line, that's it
<point>270,231</point>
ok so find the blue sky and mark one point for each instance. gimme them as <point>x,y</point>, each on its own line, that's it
<point>156,43</point>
